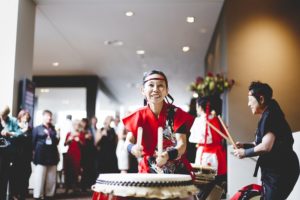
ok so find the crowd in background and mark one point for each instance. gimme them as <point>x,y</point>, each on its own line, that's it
<point>69,155</point>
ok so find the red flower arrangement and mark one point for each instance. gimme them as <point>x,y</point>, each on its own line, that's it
<point>211,85</point>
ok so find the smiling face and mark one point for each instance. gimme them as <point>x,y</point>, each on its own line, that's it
<point>155,89</point>
<point>257,107</point>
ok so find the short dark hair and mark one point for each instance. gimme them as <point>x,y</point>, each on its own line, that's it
<point>202,102</point>
<point>215,103</point>
<point>258,89</point>
<point>69,117</point>
<point>47,112</point>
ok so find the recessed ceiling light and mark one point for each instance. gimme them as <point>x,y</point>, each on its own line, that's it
<point>113,42</point>
<point>45,90</point>
<point>190,19</point>
<point>185,49</point>
<point>140,52</point>
<point>203,30</point>
<point>55,64</point>
<point>129,13</point>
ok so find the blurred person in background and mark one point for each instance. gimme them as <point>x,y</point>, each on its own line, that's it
<point>9,131</point>
<point>191,147</point>
<point>88,176</point>
<point>93,126</point>
<point>211,151</point>
<point>121,151</point>
<point>63,129</point>
<point>75,140</point>
<point>106,144</point>
<point>23,156</point>
<point>44,141</point>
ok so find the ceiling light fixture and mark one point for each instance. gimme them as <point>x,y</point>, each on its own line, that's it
<point>190,19</point>
<point>203,30</point>
<point>116,43</point>
<point>55,64</point>
<point>185,49</point>
<point>129,13</point>
<point>45,90</point>
<point>140,52</point>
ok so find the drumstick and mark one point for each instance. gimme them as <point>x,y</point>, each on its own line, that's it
<point>160,141</point>
<point>227,132</point>
<point>218,131</point>
<point>139,136</point>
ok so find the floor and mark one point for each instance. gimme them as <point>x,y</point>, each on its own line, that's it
<point>60,194</point>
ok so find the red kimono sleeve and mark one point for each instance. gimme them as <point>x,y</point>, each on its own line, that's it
<point>132,122</point>
<point>183,118</point>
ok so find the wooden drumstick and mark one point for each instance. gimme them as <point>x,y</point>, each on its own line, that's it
<point>139,136</point>
<point>227,132</point>
<point>160,141</point>
<point>218,131</point>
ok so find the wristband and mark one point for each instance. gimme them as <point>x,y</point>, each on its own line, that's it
<point>248,146</point>
<point>250,152</point>
<point>173,153</point>
<point>129,147</point>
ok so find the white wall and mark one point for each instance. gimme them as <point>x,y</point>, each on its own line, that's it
<point>240,172</point>
<point>62,102</point>
<point>296,192</point>
<point>16,50</point>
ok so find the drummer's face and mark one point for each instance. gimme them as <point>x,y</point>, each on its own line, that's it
<point>155,90</point>
<point>254,105</point>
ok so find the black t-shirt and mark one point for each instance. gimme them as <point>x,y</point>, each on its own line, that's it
<point>273,120</point>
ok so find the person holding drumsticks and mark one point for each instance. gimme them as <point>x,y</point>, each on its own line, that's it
<point>211,145</point>
<point>175,125</point>
<point>273,144</point>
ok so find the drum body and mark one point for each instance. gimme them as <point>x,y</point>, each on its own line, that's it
<point>143,186</point>
<point>203,174</point>
<point>101,196</point>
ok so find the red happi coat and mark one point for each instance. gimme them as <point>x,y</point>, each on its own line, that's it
<point>210,144</point>
<point>145,118</point>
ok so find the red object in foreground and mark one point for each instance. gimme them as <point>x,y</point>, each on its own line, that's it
<point>248,192</point>
<point>101,196</point>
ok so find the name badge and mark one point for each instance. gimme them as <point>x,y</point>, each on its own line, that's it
<point>48,140</point>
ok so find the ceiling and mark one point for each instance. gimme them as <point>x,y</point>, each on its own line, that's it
<point>73,33</point>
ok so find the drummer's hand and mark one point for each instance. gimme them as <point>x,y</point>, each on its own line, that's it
<point>137,150</point>
<point>239,153</point>
<point>239,145</point>
<point>162,159</point>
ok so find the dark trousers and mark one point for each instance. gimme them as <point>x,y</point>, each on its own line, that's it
<point>278,186</point>
<point>4,172</point>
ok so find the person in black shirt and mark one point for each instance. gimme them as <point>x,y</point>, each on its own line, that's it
<point>273,144</point>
